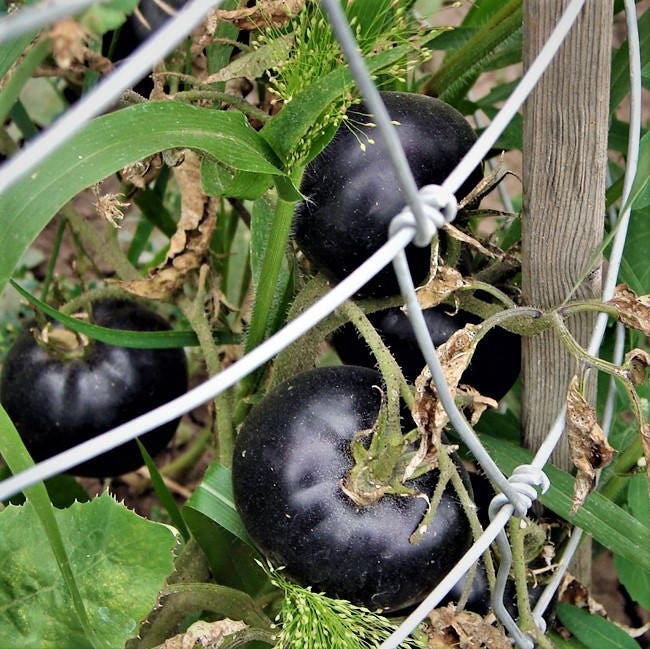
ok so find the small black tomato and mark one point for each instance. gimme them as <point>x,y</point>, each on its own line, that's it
<point>494,367</point>
<point>352,194</point>
<point>58,399</point>
<point>290,456</point>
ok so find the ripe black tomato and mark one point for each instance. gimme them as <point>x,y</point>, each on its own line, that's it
<point>494,367</point>
<point>290,456</point>
<point>352,194</point>
<point>58,401</point>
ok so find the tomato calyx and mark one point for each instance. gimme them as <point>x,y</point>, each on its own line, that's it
<point>61,342</point>
<point>384,464</point>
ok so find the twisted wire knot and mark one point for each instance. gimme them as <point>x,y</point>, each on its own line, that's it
<point>439,207</point>
<point>524,479</point>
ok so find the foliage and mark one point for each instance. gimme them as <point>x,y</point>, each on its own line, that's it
<point>200,181</point>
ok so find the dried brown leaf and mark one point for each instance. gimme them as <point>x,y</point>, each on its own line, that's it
<point>445,281</point>
<point>464,630</point>
<point>265,13</point>
<point>633,310</point>
<point>588,446</point>
<point>69,41</point>
<point>209,635</point>
<point>455,355</point>
<point>465,238</point>
<point>190,243</point>
<point>637,362</point>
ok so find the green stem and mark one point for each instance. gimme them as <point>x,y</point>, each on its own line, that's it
<point>626,462</point>
<point>104,246</point>
<point>196,316</point>
<point>215,96</point>
<point>525,621</point>
<point>478,285</point>
<point>179,466</point>
<point>56,247</point>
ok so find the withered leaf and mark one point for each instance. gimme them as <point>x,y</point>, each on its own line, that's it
<point>588,446</point>
<point>69,41</point>
<point>210,635</point>
<point>465,238</point>
<point>455,355</point>
<point>442,284</point>
<point>265,13</point>
<point>637,362</point>
<point>464,630</point>
<point>190,243</point>
<point>633,310</point>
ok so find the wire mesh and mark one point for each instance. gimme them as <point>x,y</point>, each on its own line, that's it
<point>428,209</point>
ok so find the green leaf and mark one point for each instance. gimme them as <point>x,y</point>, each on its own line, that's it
<point>104,16</point>
<point>218,180</point>
<point>122,337</point>
<point>20,75</point>
<point>620,81</point>
<point>635,270</point>
<point>640,192</point>
<point>162,491</point>
<point>120,562</point>
<point>285,130</point>
<point>214,498</point>
<point>636,580</point>
<point>11,50</point>
<point>109,143</point>
<point>461,68</point>
<point>608,523</point>
<point>593,631</point>
<point>212,518</point>
<point>17,458</point>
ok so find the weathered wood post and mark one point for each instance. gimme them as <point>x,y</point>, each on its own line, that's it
<point>564,163</point>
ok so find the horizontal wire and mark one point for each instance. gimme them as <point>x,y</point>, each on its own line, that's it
<point>217,384</point>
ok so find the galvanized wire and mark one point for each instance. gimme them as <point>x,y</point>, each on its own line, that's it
<point>427,210</point>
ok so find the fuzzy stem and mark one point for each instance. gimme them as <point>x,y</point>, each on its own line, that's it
<point>195,313</point>
<point>106,247</point>
<point>525,621</point>
<point>179,466</point>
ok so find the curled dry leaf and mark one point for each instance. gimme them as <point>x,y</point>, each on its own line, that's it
<point>588,445</point>
<point>633,310</point>
<point>455,355</point>
<point>70,47</point>
<point>69,41</point>
<point>209,635</point>
<point>463,630</point>
<point>442,284</point>
<point>142,172</point>
<point>637,362</point>
<point>265,13</point>
<point>492,253</point>
<point>190,243</point>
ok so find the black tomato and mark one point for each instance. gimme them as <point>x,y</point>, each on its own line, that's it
<point>351,192</point>
<point>57,400</point>
<point>494,367</point>
<point>290,456</point>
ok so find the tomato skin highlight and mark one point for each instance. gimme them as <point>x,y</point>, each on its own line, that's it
<point>352,194</point>
<point>290,456</point>
<point>493,370</point>
<point>56,403</point>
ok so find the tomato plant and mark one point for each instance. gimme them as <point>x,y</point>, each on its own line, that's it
<point>234,198</point>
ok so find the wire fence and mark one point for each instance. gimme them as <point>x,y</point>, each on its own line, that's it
<point>428,209</point>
